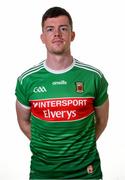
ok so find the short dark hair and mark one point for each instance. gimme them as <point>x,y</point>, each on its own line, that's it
<point>55,12</point>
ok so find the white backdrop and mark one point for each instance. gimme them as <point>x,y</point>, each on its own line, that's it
<point>100,41</point>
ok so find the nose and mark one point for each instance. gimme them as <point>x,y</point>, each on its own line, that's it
<point>57,32</point>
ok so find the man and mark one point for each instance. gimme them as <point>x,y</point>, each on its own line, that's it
<point>62,107</point>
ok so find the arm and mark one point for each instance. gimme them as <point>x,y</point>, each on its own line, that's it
<point>101,118</point>
<point>23,117</point>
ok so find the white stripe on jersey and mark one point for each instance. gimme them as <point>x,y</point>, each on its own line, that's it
<point>24,106</point>
<point>31,71</point>
<point>88,67</point>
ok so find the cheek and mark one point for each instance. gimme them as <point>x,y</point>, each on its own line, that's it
<point>69,37</point>
<point>45,40</point>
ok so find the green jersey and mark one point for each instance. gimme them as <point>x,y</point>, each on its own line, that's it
<point>63,141</point>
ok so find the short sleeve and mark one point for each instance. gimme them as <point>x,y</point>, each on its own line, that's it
<point>101,91</point>
<point>21,93</point>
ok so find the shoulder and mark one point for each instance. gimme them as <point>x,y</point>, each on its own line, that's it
<point>31,71</point>
<point>88,68</point>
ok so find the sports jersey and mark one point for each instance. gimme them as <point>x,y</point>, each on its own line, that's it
<point>63,142</point>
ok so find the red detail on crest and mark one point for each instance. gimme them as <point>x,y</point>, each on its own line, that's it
<point>79,87</point>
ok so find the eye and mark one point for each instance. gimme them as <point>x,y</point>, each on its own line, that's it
<point>49,29</point>
<point>64,29</point>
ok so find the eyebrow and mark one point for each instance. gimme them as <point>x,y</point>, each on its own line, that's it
<point>59,26</point>
<point>50,26</point>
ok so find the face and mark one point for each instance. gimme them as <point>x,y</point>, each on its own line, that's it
<point>57,35</point>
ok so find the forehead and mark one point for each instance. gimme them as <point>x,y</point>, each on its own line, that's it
<point>56,21</point>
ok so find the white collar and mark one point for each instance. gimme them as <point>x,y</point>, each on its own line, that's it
<point>59,71</point>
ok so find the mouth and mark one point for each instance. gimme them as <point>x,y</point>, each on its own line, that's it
<point>58,41</point>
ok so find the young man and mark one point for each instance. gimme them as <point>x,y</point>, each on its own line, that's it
<point>62,107</point>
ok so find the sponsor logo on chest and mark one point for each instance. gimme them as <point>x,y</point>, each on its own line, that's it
<point>62,109</point>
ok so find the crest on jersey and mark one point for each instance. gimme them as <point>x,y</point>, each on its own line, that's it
<point>79,87</point>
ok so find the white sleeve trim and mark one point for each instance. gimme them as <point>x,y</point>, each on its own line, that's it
<point>24,106</point>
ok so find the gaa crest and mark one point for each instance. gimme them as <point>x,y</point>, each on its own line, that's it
<point>79,87</point>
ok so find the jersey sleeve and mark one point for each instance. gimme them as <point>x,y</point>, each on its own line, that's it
<point>21,93</point>
<point>101,91</point>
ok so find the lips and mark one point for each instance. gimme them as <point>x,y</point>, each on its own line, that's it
<point>57,41</point>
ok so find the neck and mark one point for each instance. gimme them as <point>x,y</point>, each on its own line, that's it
<point>57,62</point>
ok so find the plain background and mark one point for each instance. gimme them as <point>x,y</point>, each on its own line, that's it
<point>100,41</point>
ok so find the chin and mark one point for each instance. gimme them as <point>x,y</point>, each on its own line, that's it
<point>58,51</point>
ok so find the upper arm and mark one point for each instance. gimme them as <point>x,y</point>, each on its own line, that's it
<point>23,117</point>
<point>23,113</point>
<point>102,112</point>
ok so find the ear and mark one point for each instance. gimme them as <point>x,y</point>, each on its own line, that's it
<point>42,38</point>
<point>72,35</point>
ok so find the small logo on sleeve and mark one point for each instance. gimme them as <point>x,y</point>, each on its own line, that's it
<point>90,169</point>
